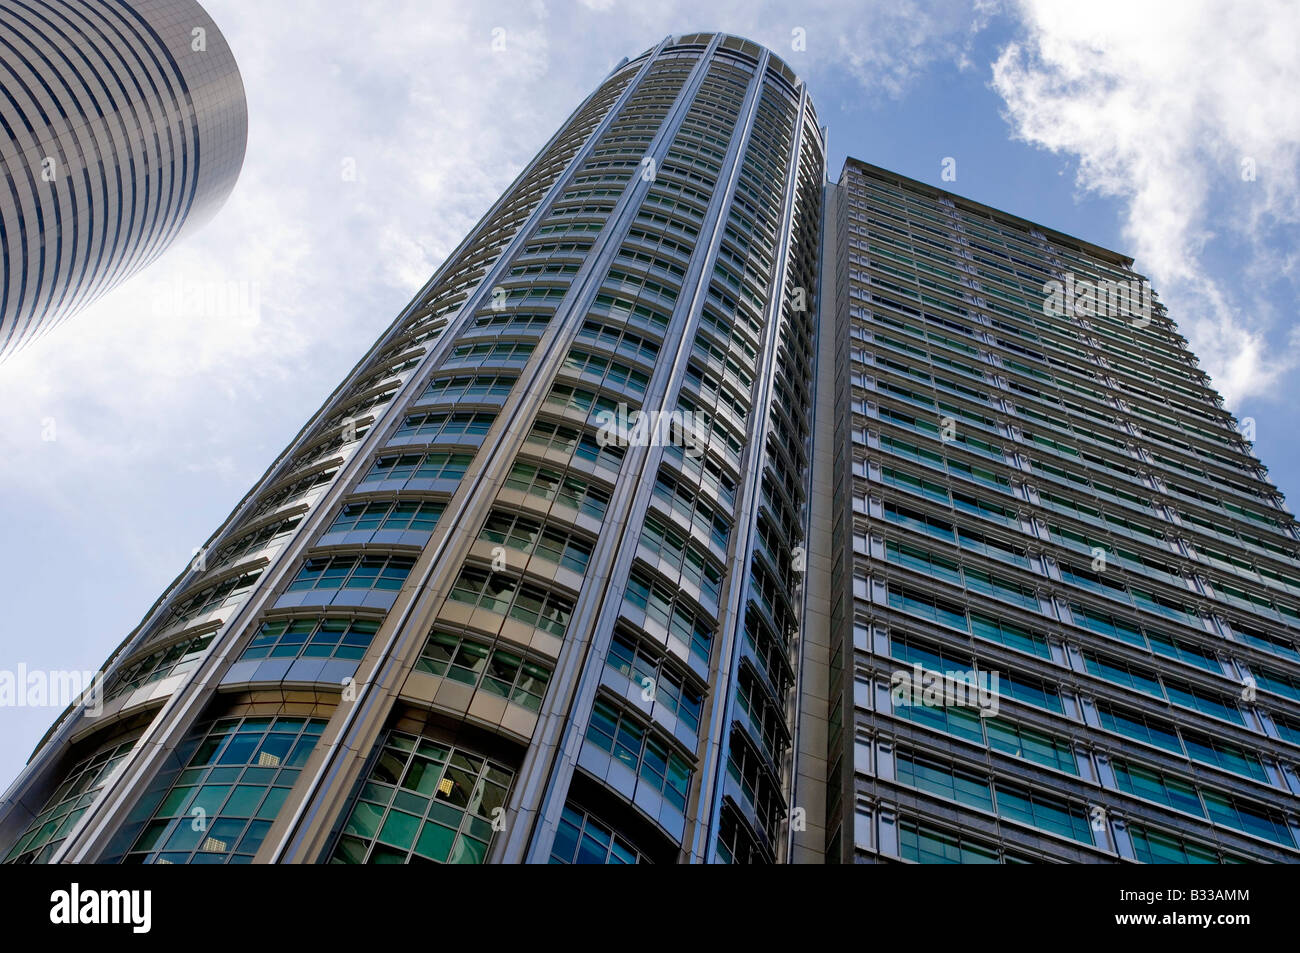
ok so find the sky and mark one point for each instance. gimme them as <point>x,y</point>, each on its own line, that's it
<point>378,136</point>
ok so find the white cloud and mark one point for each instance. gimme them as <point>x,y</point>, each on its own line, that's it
<point>1160,103</point>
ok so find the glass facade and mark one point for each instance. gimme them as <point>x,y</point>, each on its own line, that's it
<point>424,802</point>
<point>221,805</point>
<point>1039,491</point>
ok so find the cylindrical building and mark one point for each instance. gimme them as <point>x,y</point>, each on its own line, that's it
<point>124,127</point>
<point>468,615</point>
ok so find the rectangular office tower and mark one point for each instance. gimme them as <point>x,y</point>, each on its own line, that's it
<point>1065,595</point>
<point>525,588</point>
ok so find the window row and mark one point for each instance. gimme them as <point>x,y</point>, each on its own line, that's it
<point>505,595</point>
<point>630,742</point>
<point>497,671</point>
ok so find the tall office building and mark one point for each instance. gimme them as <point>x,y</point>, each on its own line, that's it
<point>477,611</point>
<point>931,544</point>
<point>1043,516</point>
<point>124,128</point>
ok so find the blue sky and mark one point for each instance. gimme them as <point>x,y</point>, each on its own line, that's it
<point>1126,124</point>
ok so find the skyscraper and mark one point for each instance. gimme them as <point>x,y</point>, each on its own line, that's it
<point>477,610</point>
<point>124,128</point>
<point>699,510</point>
<point>1037,493</point>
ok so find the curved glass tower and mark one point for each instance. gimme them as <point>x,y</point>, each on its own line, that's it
<point>526,587</point>
<point>124,127</point>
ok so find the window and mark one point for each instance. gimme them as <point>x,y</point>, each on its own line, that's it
<point>1153,785</point>
<point>684,555</point>
<point>638,662</point>
<point>736,844</point>
<point>1248,818</point>
<point>574,444</point>
<point>1157,847</point>
<point>914,484</point>
<point>238,777</point>
<point>496,671</point>
<point>955,720</point>
<point>671,610</point>
<point>1043,812</point>
<point>424,802</point>
<point>1184,651</point>
<point>1288,728</point>
<point>1031,690</point>
<point>1224,755</point>
<point>215,597</point>
<point>766,719</point>
<point>936,777</point>
<point>923,562</point>
<point>693,506</point>
<point>563,398</point>
<point>1106,624</point>
<point>630,742</point>
<point>1269,643</point>
<point>923,844</point>
<point>916,520</point>
<point>1122,673</point>
<point>420,466</point>
<point>563,488</point>
<point>77,791</point>
<point>1277,682</point>
<point>1207,703</point>
<point>582,839</point>
<point>388,514</point>
<point>753,776</point>
<point>1012,636</point>
<point>312,638</point>
<point>998,587</point>
<point>992,547</point>
<point>254,541</point>
<point>505,595</point>
<point>615,374</point>
<point>1133,724</point>
<point>446,427</point>
<point>293,492</point>
<point>534,537</point>
<point>171,660</point>
<point>353,572</point>
<point>467,388</point>
<point>616,339</point>
<point>925,607</point>
<point>504,352</point>
<point>1032,745</point>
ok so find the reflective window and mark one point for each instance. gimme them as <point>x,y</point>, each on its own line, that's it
<point>582,839</point>
<point>64,808</point>
<point>221,805</point>
<point>312,638</point>
<point>424,802</point>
